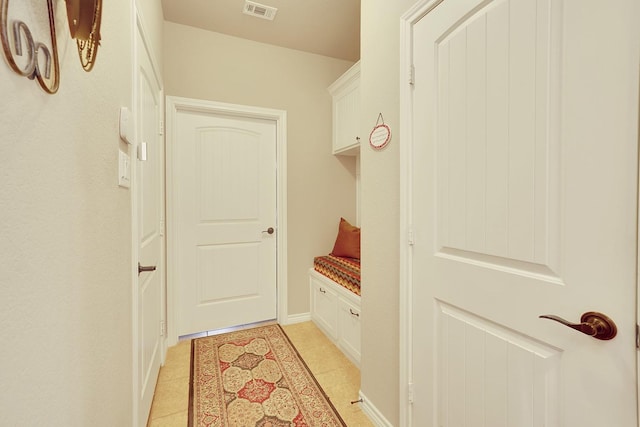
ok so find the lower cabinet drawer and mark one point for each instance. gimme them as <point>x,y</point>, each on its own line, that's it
<point>349,329</point>
<point>324,308</point>
<point>336,311</point>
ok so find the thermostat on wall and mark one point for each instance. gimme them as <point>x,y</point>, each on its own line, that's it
<point>126,125</point>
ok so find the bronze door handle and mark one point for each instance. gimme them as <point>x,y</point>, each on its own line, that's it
<point>592,323</point>
<point>142,268</point>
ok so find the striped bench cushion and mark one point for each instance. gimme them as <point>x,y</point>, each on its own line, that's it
<point>343,271</point>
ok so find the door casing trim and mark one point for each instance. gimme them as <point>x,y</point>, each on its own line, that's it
<point>138,29</point>
<point>407,21</point>
<point>177,104</point>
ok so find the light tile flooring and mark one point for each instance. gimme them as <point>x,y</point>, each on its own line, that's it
<point>338,377</point>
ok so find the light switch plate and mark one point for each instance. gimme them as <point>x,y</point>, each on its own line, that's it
<point>124,170</point>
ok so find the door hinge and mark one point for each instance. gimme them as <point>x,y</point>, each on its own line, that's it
<point>410,392</point>
<point>161,127</point>
<point>163,328</point>
<point>637,336</point>
<point>412,75</point>
<point>411,237</point>
<point>161,228</point>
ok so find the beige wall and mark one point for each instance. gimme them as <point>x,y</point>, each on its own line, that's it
<point>321,187</point>
<point>65,242</point>
<point>380,60</point>
<point>153,24</point>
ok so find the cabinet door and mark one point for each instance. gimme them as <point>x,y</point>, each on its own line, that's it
<point>349,330</point>
<point>324,308</point>
<point>346,116</point>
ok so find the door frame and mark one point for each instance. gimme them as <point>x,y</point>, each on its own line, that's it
<point>139,29</point>
<point>174,105</point>
<point>407,21</point>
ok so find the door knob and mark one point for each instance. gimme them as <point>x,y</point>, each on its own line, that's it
<point>269,230</point>
<point>592,323</point>
<point>142,268</point>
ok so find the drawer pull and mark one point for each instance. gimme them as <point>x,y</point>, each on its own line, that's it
<point>322,290</point>
<point>354,313</point>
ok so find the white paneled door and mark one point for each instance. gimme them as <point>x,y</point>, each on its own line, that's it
<point>149,193</point>
<point>522,202</point>
<point>224,205</point>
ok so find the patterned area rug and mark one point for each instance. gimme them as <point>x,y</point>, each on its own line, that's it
<point>254,377</point>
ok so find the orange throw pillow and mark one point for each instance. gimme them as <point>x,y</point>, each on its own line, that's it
<point>348,241</point>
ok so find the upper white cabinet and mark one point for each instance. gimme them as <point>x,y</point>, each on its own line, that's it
<point>346,112</point>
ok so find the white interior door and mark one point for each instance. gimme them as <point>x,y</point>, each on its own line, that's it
<point>523,193</point>
<point>224,205</point>
<point>149,188</point>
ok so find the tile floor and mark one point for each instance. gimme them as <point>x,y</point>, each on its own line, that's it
<point>339,378</point>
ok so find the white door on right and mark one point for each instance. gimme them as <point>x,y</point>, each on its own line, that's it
<point>522,202</point>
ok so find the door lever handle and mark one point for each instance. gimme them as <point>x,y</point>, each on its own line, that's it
<point>592,323</point>
<point>143,268</point>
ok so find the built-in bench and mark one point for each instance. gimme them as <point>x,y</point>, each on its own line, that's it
<point>335,302</point>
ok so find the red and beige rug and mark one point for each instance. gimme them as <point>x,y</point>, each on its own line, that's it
<point>254,377</point>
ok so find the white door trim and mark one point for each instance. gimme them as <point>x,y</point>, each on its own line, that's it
<point>173,106</point>
<point>638,301</point>
<point>138,28</point>
<point>408,19</point>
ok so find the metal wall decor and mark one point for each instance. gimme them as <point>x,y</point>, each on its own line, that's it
<point>84,18</point>
<point>41,62</point>
<point>41,65</point>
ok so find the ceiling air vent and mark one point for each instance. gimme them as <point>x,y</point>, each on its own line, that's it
<point>259,10</point>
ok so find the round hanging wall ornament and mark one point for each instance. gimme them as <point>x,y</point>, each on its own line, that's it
<point>380,135</point>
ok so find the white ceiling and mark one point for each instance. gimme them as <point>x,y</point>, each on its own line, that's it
<point>324,27</point>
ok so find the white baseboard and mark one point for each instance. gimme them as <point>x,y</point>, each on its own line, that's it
<point>298,318</point>
<point>373,413</point>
